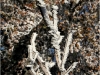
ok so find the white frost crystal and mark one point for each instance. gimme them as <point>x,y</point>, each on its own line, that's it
<point>56,39</point>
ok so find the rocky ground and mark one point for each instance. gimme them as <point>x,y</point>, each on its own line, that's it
<point>20,18</point>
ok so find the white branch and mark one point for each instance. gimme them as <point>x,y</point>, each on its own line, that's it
<point>70,69</point>
<point>36,68</point>
<point>33,55</point>
<point>66,50</point>
<point>66,1</point>
<point>33,37</point>
<point>45,15</point>
<point>45,68</point>
<point>56,39</point>
<point>55,8</point>
<point>31,70</point>
<point>77,1</point>
<point>50,64</point>
<point>30,53</point>
<point>31,50</point>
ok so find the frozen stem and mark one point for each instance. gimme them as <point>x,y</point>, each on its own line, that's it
<point>66,50</point>
<point>70,69</point>
<point>56,39</point>
<point>33,55</point>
